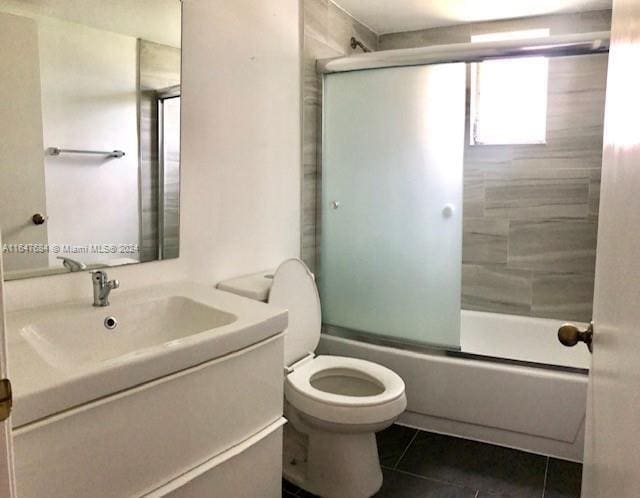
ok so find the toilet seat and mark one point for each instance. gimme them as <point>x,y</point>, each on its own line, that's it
<point>331,389</point>
<point>357,408</point>
<point>294,289</point>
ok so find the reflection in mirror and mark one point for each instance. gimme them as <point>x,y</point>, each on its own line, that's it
<point>90,162</point>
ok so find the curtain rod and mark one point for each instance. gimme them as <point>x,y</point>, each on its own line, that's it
<point>552,46</point>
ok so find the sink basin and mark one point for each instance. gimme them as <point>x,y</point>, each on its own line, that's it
<point>118,333</point>
<point>64,355</point>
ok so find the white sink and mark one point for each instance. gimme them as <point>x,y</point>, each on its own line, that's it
<point>62,356</point>
<point>119,332</point>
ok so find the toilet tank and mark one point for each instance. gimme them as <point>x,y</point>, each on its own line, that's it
<point>254,286</point>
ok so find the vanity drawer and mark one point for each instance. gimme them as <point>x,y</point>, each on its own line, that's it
<point>132,442</point>
<point>252,469</point>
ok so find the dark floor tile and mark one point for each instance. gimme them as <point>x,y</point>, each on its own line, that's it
<point>392,443</point>
<point>498,495</point>
<point>400,485</point>
<point>491,469</point>
<point>289,487</point>
<point>306,494</point>
<point>501,495</point>
<point>564,479</point>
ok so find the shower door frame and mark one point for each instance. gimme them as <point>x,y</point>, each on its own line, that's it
<point>170,93</point>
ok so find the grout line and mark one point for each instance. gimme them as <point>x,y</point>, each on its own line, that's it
<point>546,473</point>
<point>395,467</point>
<point>431,479</point>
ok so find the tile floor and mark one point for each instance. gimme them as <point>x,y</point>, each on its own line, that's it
<point>419,464</point>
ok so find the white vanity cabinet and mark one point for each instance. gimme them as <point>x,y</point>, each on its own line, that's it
<point>203,430</point>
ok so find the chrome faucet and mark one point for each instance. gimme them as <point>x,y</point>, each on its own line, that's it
<point>102,287</point>
<point>72,265</point>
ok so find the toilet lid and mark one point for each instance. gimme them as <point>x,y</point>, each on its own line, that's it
<point>294,289</point>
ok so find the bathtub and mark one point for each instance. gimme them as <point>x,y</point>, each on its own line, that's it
<point>512,384</point>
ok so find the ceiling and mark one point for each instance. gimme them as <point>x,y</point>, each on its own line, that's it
<point>392,16</point>
<point>153,20</point>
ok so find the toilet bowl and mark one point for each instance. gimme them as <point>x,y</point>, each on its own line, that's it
<point>334,405</point>
<point>345,391</point>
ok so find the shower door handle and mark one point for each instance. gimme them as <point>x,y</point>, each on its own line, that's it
<point>570,335</point>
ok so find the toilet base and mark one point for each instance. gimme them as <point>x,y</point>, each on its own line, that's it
<point>341,465</point>
<point>331,464</point>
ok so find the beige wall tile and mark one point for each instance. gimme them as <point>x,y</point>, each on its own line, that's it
<point>473,193</point>
<point>594,194</point>
<point>485,241</point>
<point>496,289</point>
<point>537,193</point>
<point>562,246</point>
<point>563,296</point>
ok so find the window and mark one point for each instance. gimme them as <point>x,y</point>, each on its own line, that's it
<point>509,96</point>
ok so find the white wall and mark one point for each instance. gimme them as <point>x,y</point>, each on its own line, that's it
<point>241,141</point>
<point>241,151</point>
<point>89,101</point>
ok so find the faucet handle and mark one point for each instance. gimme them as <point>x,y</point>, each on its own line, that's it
<point>101,277</point>
<point>114,284</point>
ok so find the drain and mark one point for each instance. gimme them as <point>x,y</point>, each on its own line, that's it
<point>110,322</point>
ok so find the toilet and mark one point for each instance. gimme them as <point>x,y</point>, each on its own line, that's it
<point>334,404</point>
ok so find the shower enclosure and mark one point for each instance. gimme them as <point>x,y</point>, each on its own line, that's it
<point>394,129</point>
<point>396,167</point>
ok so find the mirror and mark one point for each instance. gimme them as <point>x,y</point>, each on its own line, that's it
<point>90,134</point>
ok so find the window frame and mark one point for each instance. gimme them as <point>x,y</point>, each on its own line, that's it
<point>475,86</point>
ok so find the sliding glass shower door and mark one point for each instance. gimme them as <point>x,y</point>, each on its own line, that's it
<point>391,232</point>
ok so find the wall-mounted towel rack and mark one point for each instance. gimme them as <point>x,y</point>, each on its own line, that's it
<point>55,151</point>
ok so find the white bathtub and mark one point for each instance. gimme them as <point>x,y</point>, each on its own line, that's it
<point>515,404</point>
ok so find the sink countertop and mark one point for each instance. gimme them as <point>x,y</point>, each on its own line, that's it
<point>42,388</point>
